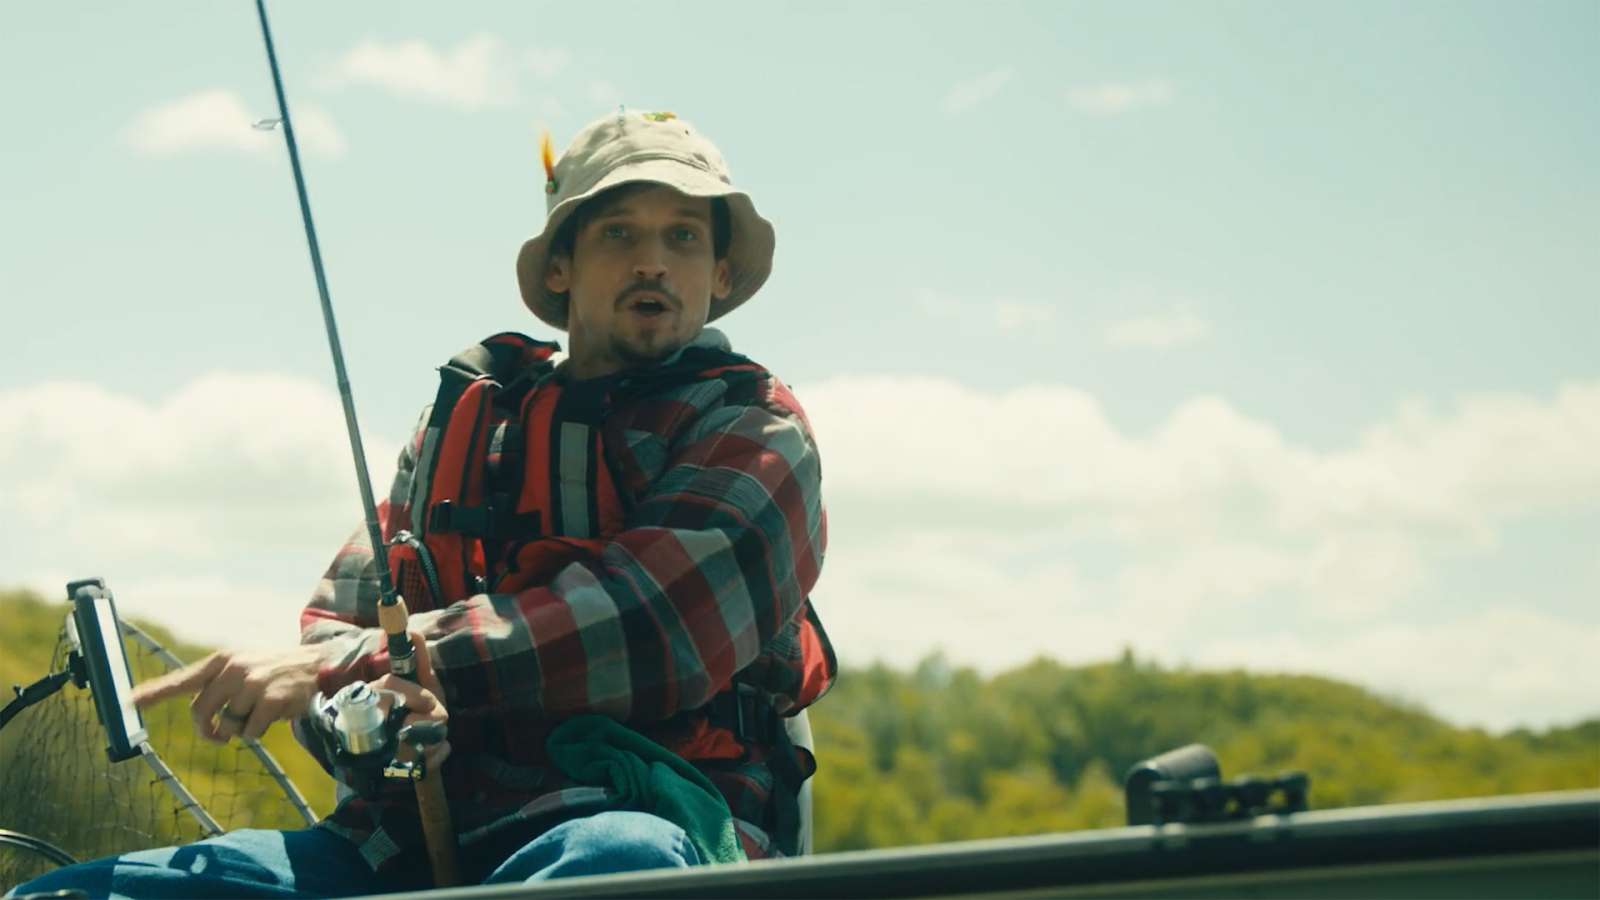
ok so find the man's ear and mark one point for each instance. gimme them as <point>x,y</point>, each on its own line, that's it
<point>721,280</point>
<point>558,274</point>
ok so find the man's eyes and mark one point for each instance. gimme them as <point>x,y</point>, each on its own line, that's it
<point>683,234</point>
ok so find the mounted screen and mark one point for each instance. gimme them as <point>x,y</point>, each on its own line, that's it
<point>94,614</point>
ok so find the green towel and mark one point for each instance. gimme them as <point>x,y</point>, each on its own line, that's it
<point>599,751</point>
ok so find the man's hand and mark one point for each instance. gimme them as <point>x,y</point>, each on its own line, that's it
<point>240,693</point>
<point>422,702</point>
<point>243,693</point>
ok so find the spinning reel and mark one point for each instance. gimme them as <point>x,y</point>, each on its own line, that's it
<point>364,742</point>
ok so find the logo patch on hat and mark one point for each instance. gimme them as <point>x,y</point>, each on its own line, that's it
<point>662,116</point>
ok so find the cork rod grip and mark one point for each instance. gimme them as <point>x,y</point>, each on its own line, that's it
<point>438,830</point>
<point>392,616</point>
<point>432,807</point>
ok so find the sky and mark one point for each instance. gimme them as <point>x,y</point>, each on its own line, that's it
<point>1240,335</point>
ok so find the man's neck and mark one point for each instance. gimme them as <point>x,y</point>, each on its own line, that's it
<point>589,369</point>
<point>581,367</point>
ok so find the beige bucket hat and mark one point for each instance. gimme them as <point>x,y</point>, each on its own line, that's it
<point>654,147</point>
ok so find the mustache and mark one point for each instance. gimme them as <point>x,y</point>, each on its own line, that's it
<point>649,287</point>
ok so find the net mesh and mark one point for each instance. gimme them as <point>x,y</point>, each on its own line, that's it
<point>20,860</point>
<point>57,785</point>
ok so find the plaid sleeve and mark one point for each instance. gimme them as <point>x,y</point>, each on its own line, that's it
<point>715,563</point>
<point>343,610</point>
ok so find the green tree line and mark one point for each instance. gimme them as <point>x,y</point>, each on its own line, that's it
<point>942,753</point>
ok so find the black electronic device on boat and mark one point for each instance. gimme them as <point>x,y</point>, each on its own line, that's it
<point>97,633</point>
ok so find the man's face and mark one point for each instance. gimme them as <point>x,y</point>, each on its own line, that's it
<point>640,280</point>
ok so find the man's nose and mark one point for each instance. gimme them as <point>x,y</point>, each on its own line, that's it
<point>650,261</point>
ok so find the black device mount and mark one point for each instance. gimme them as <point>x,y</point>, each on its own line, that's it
<point>1185,785</point>
<point>96,661</point>
<point>44,688</point>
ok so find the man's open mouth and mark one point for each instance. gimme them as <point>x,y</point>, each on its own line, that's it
<point>648,304</point>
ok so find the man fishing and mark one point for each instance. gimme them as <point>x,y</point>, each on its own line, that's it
<point>607,562</point>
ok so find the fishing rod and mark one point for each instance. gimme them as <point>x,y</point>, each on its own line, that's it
<point>431,803</point>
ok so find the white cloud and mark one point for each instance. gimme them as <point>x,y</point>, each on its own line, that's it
<point>1115,98</point>
<point>943,306</point>
<point>1051,447</point>
<point>970,593</point>
<point>218,119</point>
<point>237,488</point>
<point>1496,668</point>
<point>545,62</point>
<point>1327,580</point>
<point>478,72</point>
<point>1005,314</point>
<point>1158,330</point>
<point>604,95</point>
<point>257,616</point>
<point>1018,315</point>
<point>969,94</point>
<point>314,130</point>
<point>997,524</point>
<point>1003,525</point>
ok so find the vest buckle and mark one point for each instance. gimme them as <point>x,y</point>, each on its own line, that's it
<point>487,521</point>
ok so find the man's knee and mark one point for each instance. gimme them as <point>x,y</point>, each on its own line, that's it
<point>618,841</point>
<point>651,841</point>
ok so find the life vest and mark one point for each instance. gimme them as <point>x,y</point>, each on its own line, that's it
<point>512,478</point>
<point>513,482</point>
<point>465,502</point>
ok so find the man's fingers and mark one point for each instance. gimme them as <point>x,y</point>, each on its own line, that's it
<point>229,722</point>
<point>262,715</point>
<point>422,706</point>
<point>211,700</point>
<point>424,698</point>
<point>425,673</point>
<point>186,680</point>
<point>240,694</point>
<point>240,708</point>
<point>435,755</point>
<point>421,701</point>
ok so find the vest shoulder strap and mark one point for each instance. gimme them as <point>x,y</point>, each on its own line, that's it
<point>508,358</point>
<point>503,354</point>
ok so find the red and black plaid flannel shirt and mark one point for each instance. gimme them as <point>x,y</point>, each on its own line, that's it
<point>709,579</point>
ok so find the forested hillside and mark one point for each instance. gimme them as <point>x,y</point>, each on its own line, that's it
<point>942,753</point>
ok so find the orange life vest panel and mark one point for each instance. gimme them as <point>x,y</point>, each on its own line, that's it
<point>513,482</point>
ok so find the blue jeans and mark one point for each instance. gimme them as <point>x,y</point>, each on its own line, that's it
<point>318,863</point>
